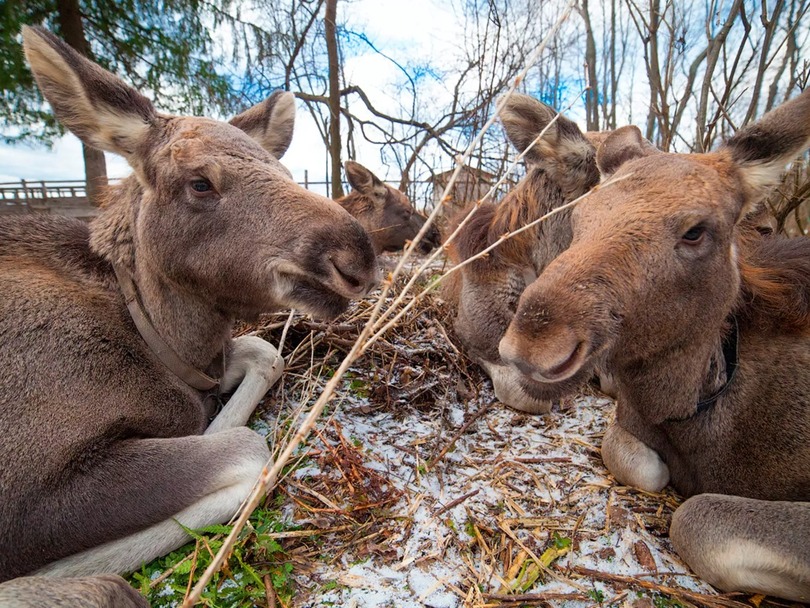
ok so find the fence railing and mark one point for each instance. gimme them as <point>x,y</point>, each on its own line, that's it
<point>25,190</point>
<point>66,197</point>
<point>71,195</point>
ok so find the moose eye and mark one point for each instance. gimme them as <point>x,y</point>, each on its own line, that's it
<point>694,235</point>
<point>201,186</point>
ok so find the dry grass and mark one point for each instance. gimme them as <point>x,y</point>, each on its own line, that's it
<point>418,488</point>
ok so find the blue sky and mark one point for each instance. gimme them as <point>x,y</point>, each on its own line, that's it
<point>404,30</point>
<point>420,32</point>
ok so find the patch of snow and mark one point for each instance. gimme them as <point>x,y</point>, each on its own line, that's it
<point>534,477</point>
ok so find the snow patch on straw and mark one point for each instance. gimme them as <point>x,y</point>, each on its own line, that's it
<point>539,476</point>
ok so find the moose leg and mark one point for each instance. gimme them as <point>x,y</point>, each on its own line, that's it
<point>632,462</point>
<point>254,365</point>
<point>127,506</point>
<point>106,591</point>
<point>744,544</point>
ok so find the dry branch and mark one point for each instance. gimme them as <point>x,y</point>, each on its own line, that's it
<point>483,410</point>
<point>711,601</point>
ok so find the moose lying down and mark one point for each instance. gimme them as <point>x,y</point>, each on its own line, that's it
<point>705,325</point>
<point>560,167</point>
<point>116,340</point>
<point>386,213</point>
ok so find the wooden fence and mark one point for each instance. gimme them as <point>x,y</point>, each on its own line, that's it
<point>69,197</point>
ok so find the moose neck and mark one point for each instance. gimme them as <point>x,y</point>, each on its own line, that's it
<point>192,326</point>
<point>670,386</point>
<point>536,195</point>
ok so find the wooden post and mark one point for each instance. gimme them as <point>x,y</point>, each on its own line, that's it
<point>306,179</point>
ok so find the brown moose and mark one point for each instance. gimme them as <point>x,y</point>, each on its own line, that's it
<point>386,213</point>
<point>559,167</point>
<point>108,442</point>
<point>705,325</point>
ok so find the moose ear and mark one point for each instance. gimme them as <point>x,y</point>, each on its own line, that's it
<point>524,118</point>
<point>762,149</point>
<point>622,145</point>
<point>361,179</point>
<point>95,105</point>
<point>270,122</point>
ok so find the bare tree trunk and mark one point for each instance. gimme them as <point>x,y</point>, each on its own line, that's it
<point>650,39</point>
<point>95,165</point>
<point>592,94</point>
<point>610,117</point>
<point>714,48</point>
<point>770,28</point>
<point>334,96</point>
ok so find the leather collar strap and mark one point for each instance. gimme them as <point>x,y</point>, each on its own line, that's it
<point>731,354</point>
<point>188,374</point>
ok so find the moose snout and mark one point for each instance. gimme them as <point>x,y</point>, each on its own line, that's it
<point>353,275</point>
<point>431,240</point>
<point>350,261</point>
<point>557,355</point>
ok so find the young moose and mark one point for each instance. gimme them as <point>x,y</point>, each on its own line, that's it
<point>109,430</point>
<point>560,167</point>
<point>387,215</point>
<point>705,325</point>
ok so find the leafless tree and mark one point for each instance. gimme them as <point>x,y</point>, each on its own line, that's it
<point>705,67</point>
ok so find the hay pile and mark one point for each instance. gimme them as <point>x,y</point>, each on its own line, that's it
<point>419,489</point>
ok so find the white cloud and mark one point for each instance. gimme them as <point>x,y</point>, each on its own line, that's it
<point>414,31</point>
<point>63,162</point>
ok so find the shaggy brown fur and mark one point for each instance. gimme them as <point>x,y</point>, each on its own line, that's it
<point>560,167</point>
<point>775,274</point>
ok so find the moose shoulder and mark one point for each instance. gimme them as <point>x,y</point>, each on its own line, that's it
<point>705,324</point>
<point>100,432</point>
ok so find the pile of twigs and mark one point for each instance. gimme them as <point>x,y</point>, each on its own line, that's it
<point>559,517</point>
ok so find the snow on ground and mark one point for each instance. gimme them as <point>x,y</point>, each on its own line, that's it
<point>421,489</point>
<point>512,490</point>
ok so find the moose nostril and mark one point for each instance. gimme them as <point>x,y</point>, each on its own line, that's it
<point>354,274</point>
<point>525,368</point>
<point>349,276</point>
<point>565,362</point>
<point>346,276</point>
<point>557,355</point>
